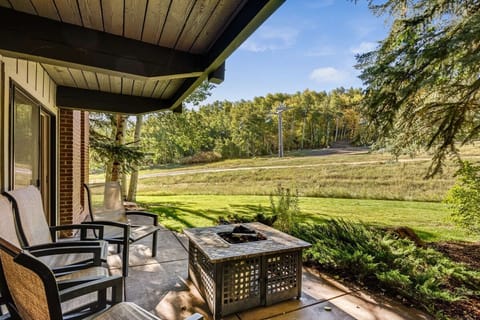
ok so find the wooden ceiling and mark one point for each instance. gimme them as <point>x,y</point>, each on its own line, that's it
<point>144,55</point>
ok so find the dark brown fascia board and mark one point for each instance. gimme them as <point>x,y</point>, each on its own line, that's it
<point>250,17</point>
<point>53,42</point>
<point>218,75</point>
<point>75,98</point>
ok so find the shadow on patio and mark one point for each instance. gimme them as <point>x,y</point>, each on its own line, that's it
<point>161,285</point>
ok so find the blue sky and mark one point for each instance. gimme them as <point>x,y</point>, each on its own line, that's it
<point>304,44</point>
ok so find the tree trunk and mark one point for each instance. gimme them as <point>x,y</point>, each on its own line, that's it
<point>336,129</point>
<point>132,189</point>
<point>303,130</point>
<point>108,172</point>
<point>120,132</point>
<point>327,139</point>
<point>123,175</point>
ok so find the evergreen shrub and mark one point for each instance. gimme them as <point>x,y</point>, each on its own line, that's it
<point>377,258</point>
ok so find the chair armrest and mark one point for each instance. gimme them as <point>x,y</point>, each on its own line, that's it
<point>114,282</point>
<point>96,252</point>
<point>82,227</point>
<point>145,214</point>
<point>124,226</point>
<point>68,243</point>
<point>65,284</point>
<point>108,223</point>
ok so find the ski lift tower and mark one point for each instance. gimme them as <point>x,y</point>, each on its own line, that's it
<point>280,109</point>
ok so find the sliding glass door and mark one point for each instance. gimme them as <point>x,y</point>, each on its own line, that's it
<point>31,145</point>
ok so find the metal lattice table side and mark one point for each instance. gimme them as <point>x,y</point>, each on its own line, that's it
<point>284,276</point>
<point>201,271</point>
<point>240,277</point>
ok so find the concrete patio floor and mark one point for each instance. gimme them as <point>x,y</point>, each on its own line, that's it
<point>161,286</point>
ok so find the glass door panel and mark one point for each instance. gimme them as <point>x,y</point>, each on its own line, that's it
<point>45,151</point>
<point>32,130</point>
<point>25,142</point>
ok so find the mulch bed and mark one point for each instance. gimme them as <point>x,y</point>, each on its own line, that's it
<point>466,252</point>
<point>469,254</point>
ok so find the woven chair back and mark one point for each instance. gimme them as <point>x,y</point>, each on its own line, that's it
<point>27,286</point>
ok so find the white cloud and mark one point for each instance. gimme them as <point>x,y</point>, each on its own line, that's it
<point>363,47</point>
<point>269,39</point>
<point>328,75</point>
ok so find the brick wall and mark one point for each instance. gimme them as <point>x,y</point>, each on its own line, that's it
<point>84,147</point>
<point>73,149</point>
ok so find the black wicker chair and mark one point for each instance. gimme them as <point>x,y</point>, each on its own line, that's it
<point>33,293</point>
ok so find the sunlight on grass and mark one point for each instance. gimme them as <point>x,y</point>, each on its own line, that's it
<point>429,220</point>
<point>351,186</point>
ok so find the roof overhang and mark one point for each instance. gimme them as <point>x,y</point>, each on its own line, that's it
<point>151,59</point>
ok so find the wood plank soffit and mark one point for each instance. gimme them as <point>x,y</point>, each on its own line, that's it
<point>94,52</point>
<point>248,19</point>
<point>48,41</point>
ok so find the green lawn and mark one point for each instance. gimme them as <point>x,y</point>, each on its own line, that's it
<point>429,220</point>
<point>368,187</point>
<point>358,176</point>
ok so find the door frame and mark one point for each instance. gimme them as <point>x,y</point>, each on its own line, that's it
<point>52,177</point>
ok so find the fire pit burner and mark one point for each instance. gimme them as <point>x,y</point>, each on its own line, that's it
<point>241,234</point>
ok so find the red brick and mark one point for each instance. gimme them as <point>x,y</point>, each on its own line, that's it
<point>73,169</point>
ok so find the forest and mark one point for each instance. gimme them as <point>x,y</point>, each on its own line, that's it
<point>225,130</point>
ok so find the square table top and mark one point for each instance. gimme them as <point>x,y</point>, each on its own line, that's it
<point>218,250</point>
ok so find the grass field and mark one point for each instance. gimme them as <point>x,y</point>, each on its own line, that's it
<point>368,187</point>
<point>428,219</point>
<point>358,176</point>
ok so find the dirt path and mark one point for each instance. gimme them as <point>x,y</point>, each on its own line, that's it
<point>321,152</point>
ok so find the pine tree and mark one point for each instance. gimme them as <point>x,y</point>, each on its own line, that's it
<point>423,80</point>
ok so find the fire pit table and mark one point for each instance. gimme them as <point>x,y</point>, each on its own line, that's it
<point>237,276</point>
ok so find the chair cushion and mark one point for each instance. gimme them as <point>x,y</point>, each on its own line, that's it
<point>65,259</point>
<point>103,243</point>
<point>125,310</point>
<point>8,227</point>
<point>30,210</point>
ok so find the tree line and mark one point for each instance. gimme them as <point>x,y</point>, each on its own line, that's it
<point>249,128</point>
<point>223,130</point>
